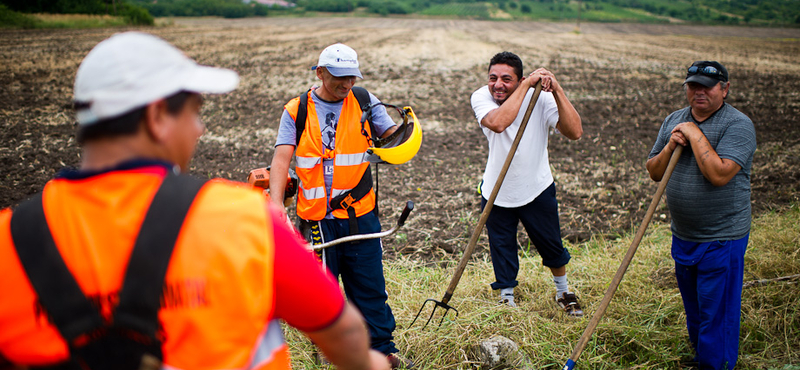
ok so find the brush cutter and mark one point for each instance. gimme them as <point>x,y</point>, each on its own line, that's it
<point>351,238</point>
<point>259,178</point>
<point>623,267</point>
<point>484,216</point>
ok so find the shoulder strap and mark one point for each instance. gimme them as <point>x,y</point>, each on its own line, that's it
<point>300,119</point>
<point>362,96</point>
<point>58,291</point>
<point>140,297</point>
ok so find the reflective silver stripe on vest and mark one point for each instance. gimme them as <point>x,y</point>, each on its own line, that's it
<point>270,342</point>
<point>307,162</point>
<point>313,193</point>
<point>336,192</point>
<point>350,159</point>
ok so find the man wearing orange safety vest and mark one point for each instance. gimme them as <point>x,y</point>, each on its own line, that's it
<point>89,242</point>
<point>335,197</point>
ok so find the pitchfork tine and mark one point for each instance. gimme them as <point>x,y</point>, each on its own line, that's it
<point>436,305</point>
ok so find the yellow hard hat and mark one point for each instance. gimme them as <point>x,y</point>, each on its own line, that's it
<point>400,146</point>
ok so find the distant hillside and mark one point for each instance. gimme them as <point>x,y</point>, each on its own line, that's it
<point>784,13</point>
<point>734,12</point>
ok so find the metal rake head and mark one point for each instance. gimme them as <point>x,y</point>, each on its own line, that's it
<point>437,304</point>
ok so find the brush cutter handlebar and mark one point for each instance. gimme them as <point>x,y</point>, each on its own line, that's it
<point>400,222</point>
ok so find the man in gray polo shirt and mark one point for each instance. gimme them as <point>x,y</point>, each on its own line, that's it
<point>709,200</point>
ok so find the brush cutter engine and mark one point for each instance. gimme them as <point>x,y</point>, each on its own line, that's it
<point>259,178</point>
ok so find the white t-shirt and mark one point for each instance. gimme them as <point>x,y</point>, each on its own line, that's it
<point>529,173</point>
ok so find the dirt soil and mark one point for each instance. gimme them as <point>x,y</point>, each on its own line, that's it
<point>623,80</point>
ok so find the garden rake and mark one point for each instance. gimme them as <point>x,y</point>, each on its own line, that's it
<point>484,216</point>
<point>587,334</point>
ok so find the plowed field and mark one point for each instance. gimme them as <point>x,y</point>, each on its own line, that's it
<point>623,79</point>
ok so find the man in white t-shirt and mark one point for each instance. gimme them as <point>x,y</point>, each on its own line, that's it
<point>528,193</point>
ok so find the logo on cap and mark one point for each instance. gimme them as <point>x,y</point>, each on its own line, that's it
<point>340,60</point>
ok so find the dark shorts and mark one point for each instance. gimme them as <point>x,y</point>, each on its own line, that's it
<point>540,219</point>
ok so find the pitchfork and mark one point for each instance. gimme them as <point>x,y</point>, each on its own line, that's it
<point>484,216</point>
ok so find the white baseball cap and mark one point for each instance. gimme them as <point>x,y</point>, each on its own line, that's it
<point>132,69</point>
<point>340,60</point>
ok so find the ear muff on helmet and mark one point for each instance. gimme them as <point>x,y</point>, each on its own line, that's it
<point>401,145</point>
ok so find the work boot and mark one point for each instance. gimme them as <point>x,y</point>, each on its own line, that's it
<point>569,302</point>
<point>399,362</point>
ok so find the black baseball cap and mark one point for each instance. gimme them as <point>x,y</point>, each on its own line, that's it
<point>706,73</point>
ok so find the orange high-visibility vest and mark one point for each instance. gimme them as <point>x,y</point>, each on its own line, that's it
<point>218,300</point>
<point>349,161</point>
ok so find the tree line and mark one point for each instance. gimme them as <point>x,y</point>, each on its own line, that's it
<point>202,8</point>
<point>131,13</point>
<point>761,12</point>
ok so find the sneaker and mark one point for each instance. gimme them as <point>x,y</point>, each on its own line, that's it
<point>508,299</point>
<point>569,302</point>
<point>399,362</point>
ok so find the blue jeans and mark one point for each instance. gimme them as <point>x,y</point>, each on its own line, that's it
<point>540,219</point>
<point>711,290</point>
<point>360,266</point>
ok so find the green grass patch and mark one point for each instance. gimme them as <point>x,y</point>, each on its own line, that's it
<point>459,10</point>
<point>643,328</point>
<point>78,21</point>
<point>12,19</point>
<point>612,13</point>
<point>128,15</point>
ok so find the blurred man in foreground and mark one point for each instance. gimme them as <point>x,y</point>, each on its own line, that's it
<point>126,264</point>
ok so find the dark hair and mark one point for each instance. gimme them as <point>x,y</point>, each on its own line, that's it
<point>128,123</point>
<point>508,58</point>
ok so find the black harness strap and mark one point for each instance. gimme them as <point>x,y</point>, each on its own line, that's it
<point>58,291</point>
<point>140,297</point>
<point>345,200</point>
<point>300,120</point>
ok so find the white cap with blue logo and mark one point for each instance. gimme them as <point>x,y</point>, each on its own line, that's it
<point>340,60</point>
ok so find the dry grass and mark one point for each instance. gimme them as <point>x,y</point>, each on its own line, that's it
<point>643,328</point>
<point>78,21</point>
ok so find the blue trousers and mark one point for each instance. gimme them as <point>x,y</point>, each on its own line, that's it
<point>540,219</point>
<point>711,290</point>
<point>360,266</point>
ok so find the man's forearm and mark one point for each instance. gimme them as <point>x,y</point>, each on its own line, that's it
<point>279,172</point>
<point>503,116</point>
<point>346,342</point>
<point>569,121</point>
<point>657,165</point>
<point>716,170</point>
